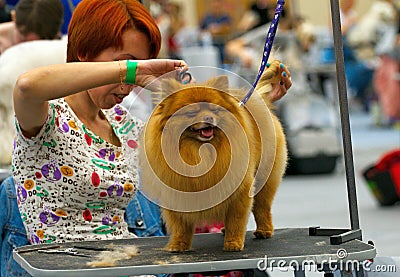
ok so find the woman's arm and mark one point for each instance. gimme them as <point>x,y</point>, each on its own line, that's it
<point>36,87</point>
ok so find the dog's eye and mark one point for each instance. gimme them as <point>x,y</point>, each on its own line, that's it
<point>191,114</point>
<point>216,110</point>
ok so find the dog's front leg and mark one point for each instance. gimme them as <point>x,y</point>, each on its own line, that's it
<point>236,225</point>
<point>180,230</point>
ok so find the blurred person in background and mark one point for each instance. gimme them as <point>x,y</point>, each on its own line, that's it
<point>176,23</point>
<point>292,44</point>
<point>11,3</point>
<point>32,20</point>
<point>358,73</point>
<point>348,15</point>
<point>159,11</point>
<point>387,77</point>
<point>5,15</point>
<point>217,23</point>
<point>259,13</point>
<point>373,29</point>
<point>69,7</point>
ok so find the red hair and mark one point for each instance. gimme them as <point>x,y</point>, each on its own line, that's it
<point>99,24</point>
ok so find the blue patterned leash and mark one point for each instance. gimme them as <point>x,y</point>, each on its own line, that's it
<point>267,48</point>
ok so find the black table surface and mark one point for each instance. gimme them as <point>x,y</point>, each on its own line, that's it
<point>287,245</point>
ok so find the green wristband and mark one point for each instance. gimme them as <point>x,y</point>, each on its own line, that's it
<point>131,67</point>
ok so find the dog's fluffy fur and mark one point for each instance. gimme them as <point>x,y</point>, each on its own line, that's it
<point>111,258</point>
<point>231,153</point>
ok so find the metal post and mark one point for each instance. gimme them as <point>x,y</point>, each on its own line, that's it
<point>344,115</point>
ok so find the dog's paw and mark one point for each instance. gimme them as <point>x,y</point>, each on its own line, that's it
<point>261,234</point>
<point>177,247</point>
<point>233,246</point>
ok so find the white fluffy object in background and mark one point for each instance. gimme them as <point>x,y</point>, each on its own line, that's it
<point>13,62</point>
<point>369,29</point>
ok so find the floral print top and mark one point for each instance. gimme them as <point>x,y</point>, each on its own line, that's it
<point>71,184</point>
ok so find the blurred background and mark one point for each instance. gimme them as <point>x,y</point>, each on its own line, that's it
<point>318,12</point>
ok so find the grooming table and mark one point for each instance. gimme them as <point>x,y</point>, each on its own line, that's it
<point>287,246</point>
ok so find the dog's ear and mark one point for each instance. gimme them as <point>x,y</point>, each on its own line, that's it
<point>166,87</point>
<point>169,86</point>
<point>220,83</point>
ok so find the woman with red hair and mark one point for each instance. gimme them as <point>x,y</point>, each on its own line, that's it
<point>75,154</point>
<point>75,165</point>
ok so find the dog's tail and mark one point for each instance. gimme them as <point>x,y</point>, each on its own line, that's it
<point>270,76</point>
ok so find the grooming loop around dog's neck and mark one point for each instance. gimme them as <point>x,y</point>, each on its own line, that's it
<point>185,77</point>
<point>267,49</point>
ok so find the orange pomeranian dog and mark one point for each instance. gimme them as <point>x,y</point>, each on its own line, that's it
<point>205,158</point>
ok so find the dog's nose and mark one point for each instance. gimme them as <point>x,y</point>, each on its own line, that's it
<point>208,119</point>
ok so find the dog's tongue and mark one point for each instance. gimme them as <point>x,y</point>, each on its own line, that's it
<point>207,132</point>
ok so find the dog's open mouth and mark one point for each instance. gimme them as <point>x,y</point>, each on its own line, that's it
<point>204,132</point>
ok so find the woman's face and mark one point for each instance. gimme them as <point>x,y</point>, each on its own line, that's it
<point>136,47</point>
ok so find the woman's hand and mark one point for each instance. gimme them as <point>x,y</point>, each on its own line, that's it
<point>280,89</point>
<point>149,70</point>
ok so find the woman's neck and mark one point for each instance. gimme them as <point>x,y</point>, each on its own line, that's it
<point>83,107</point>
<point>92,116</point>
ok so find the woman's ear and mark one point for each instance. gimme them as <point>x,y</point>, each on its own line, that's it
<point>82,59</point>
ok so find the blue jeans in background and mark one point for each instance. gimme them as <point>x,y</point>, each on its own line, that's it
<point>12,231</point>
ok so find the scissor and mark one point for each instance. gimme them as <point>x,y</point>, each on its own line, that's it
<point>67,251</point>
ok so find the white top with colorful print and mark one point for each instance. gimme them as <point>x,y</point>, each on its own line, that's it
<point>71,184</point>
